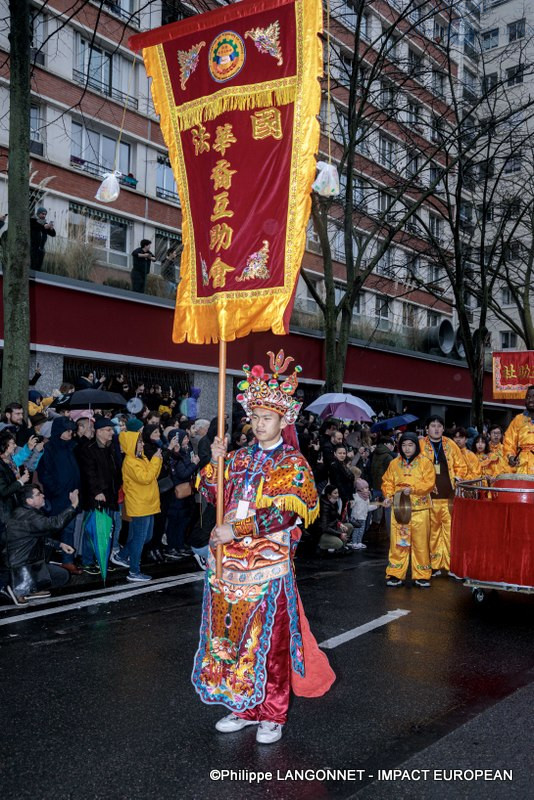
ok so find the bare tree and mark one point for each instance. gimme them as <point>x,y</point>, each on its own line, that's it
<point>433,196</point>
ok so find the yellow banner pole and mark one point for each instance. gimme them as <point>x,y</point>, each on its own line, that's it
<point>221,398</point>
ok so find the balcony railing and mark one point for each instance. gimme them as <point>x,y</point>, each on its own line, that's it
<point>115,8</point>
<point>167,194</point>
<point>104,88</point>
<point>98,170</point>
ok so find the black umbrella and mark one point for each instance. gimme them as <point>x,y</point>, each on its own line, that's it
<point>94,398</point>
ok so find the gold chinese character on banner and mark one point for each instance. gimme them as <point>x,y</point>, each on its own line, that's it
<point>218,272</point>
<point>525,371</point>
<point>265,123</point>
<point>224,137</point>
<point>220,236</point>
<point>200,139</point>
<point>221,207</point>
<point>221,174</point>
<point>509,371</point>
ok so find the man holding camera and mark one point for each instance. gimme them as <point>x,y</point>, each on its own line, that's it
<point>141,258</point>
<point>31,576</point>
<point>40,230</point>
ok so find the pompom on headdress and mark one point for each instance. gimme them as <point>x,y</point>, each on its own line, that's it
<point>272,392</point>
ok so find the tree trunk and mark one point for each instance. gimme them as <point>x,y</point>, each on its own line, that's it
<point>17,261</point>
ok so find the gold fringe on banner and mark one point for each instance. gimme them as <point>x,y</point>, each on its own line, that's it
<point>191,114</point>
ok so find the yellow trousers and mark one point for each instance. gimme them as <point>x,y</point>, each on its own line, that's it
<point>406,540</point>
<point>440,535</point>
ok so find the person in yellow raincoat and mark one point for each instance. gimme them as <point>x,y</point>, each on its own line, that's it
<point>413,474</point>
<point>490,463</point>
<point>448,465</point>
<point>471,461</point>
<point>141,499</point>
<point>519,438</point>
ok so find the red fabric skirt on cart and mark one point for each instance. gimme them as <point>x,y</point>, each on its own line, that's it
<point>493,541</point>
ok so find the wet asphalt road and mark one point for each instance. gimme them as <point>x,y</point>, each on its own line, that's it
<point>96,702</point>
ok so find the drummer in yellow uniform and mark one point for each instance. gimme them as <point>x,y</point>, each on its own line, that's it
<point>519,438</point>
<point>490,463</point>
<point>413,474</point>
<point>472,463</point>
<point>448,465</point>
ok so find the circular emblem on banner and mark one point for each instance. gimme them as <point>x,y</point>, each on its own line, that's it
<point>227,56</point>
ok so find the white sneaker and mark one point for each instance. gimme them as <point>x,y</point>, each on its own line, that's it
<point>269,732</point>
<point>232,723</point>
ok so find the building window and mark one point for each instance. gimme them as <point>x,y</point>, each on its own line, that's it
<point>514,162</point>
<point>386,205</point>
<point>36,139</point>
<point>470,83</point>
<point>490,39</point>
<point>359,198</point>
<point>336,237</point>
<point>514,75</point>
<point>105,73</point>
<point>439,31</point>
<point>486,212</point>
<point>413,114</point>
<point>415,63</point>
<point>436,228</point>
<point>516,30</point>
<point>312,239</point>
<point>432,319</point>
<point>38,38</point>
<point>382,310</point>
<point>409,315</point>
<point>95,152</point>
<point>362,139</point>
<point>165,183</point>
<point>386,97</point>
<point>125,9</point>
<point>174,11</point>
<point>386,152</point>
<point>438,83</point>
<point>489,82</point>
<point>435,175</point>
<point>341,66</point>
<point>163,241</point>
<point>508,340</point>
<point>435,274</point>
<point>107,233</point>
<point>386,262</point>
<point>506,296</point>
<point>412,163</point>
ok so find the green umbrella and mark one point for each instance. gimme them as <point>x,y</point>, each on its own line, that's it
<point>99,527</point>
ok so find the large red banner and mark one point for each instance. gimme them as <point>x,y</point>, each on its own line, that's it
<point>237,91</point>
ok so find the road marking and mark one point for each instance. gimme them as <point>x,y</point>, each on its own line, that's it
<point>335,641</point>
<point>154,586</point>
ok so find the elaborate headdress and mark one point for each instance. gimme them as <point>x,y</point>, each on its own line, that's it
<point>274,392</point>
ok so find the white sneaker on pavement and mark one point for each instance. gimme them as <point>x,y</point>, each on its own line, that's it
<point>269,732</point>
<point>231,723</point>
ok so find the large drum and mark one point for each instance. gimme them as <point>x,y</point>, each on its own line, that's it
<point>515,483</point>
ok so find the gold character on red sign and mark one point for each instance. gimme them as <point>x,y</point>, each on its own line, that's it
<point>224,137</point>
<point>220,208</point>
<point>221,174</point>
<point>200,139</point>
<point>265,123</point>
<point>221,236</point>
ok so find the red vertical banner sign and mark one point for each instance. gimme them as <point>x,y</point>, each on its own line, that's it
<point>513,373</point>
<point>238,96</point>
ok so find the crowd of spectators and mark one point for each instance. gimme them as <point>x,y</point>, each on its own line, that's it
<point>138,464</point>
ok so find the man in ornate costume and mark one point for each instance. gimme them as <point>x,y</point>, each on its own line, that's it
<point>519,438</point>
<point>255,642</point>
<point>448,465</point>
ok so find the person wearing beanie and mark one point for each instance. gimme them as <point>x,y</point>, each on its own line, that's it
<point>59,475</point>
<point>134,425</point>
<point>40,230</point>
<point>412,474</point>
<point>141,500</point>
